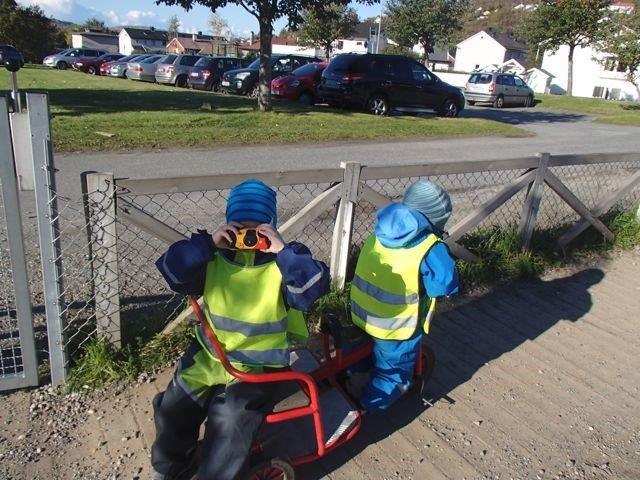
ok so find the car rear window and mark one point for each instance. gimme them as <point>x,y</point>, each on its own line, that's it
<point>341,65</point>
<point>189,61</point>
<point>481,78</point>
<point>168,59</point>
<point>306,70</point>
<point>204,62</point>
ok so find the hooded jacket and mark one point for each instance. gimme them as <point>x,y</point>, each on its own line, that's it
<point>400,226</point>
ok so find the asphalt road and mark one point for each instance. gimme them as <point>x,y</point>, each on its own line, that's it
<point>555,132</point>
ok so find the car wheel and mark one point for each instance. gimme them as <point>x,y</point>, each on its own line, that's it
<point>91,70</point>
<point>275,469</point>
<point>449,108</point>
<point>499,102</point>
<point>254,92</point>
<point>378,105</point>
<point>215,86</point>
<point>471,102</point>
<point>528,102</point>
<point>306,99</point>
<point>181,82</point>
<point>62,65</point>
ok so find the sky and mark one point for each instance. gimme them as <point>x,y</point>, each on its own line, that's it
<point>147,13</point>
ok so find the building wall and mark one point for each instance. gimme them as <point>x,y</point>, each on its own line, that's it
<point>478,51</point>
<point>537,80</point>
<point>588,73</point>
<point>296,50</point>
<point>456,79</point>
<point>124,43</point>
<point>80,41</point>
<point>360,46</point>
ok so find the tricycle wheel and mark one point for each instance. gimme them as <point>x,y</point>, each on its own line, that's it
<point>274,469</point>
<point>428,359</point>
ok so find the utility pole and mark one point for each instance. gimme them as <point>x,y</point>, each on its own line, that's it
<point>379,21</point>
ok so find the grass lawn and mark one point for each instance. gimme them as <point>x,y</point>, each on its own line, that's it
<point>607,111</point>
<point>144,115</point>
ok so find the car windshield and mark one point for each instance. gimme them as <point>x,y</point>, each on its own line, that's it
<point>64,52</point>
<point>306,70</point>
<point>150,59</point>
<point>481,78</point>
<point>255,65</point>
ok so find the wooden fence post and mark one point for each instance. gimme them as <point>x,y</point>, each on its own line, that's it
<point>343,228</point>
<point>532,203</point>
<point>101,200</point>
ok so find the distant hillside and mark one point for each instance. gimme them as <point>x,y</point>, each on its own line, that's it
<point>503,16</point>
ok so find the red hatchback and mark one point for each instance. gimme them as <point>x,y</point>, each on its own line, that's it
<point>301,85</point>
<point>91,65</point>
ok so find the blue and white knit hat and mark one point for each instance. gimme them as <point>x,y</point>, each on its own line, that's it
<point>431,200</point>
<point>252,200</point>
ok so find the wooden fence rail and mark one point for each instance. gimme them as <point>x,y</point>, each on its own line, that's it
<point>347,186</point>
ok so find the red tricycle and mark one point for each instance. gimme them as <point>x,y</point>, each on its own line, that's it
<point>320,415</point>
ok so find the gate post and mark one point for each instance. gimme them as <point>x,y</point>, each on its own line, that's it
<point>49,233</point>
<point>532,203</point>
<point>101,221</point>
<point>343,228</point>
<point>25,356</point>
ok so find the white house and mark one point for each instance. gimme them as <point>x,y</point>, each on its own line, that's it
<point>595,74</point>
<point>351,45</point>
<point>440,59</point>
<point>139,40</point>
<point>284,46</point>
<point>487,48</point>
<point>538,79</point>
<point>97,40</point>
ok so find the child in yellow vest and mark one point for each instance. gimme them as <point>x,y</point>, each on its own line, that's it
<point>401,269</point>
<point>253,301</point>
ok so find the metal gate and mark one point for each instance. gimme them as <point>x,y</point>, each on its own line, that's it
<point>18,364</point>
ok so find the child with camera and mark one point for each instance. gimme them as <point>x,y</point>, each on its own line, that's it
<point>255,287</point>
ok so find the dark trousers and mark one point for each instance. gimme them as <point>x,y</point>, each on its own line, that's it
<point>233,413</point>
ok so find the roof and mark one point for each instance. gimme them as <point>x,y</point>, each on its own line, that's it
<point>103,38</point>
<point>542,70</point>
<point>507,41</point>
<point>146,33</point>
<point>363,29</point>
<point>275,40</point>
<point>188,43</point>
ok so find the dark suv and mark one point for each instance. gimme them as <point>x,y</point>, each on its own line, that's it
<point>380,83</point>
<point>245,80</point>
<point>207,73</point>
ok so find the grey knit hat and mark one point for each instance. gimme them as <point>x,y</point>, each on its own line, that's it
<point>431,200</point>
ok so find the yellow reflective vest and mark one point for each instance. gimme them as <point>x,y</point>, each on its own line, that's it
<point>245,307</point>
<point>385,292</point>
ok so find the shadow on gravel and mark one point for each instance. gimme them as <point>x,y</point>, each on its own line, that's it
<point>519,115</point>
<point>464,339</point>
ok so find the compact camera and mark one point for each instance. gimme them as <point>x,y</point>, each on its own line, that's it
<point>248,239</point>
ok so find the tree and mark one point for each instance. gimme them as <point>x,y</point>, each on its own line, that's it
<point>29,30</point>
<point>266,12</point>
<point>575,23</point>
<point>425,22</point>
<point>322,26</point>
<point>94,24</point>
<point>173,27</point>
<point>219,26</point>
<point>622,41</point>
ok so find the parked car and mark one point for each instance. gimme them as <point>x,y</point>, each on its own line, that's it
<point>244,81</point>
<point>65,58</point>
<point>104,68</point>
<point>301,85</point>
<point>143,70</point>
<point>206,73</point>
<point>9,53</point>
<point>92,65</point>
<point>175,69</point>
<point>119,68</point>
<point>498,89</point>
<point>381,83</point>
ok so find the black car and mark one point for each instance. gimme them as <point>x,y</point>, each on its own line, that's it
<point>244,81</point>
<point>207,72</point>
<point>9,53</point>
<point>381,83</point>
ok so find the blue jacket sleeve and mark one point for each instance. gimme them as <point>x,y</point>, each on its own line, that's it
<point>438,271</point>
<point>184,265</point>
<point>304,279</point>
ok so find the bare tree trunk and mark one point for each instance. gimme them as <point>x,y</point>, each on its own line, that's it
<point>570,71</point>
<point>264,77</point>
<point>425,55</point>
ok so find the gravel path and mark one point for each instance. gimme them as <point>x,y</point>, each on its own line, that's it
<point>535,379</point>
